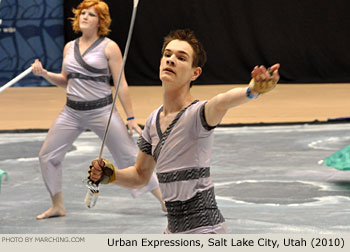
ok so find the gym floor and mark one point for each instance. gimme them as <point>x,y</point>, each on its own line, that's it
<point>267,178</point>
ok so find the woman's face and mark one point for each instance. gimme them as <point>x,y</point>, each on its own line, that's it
<point>88,19</point>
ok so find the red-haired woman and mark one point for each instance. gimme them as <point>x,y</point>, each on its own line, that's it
<point>88,63</point>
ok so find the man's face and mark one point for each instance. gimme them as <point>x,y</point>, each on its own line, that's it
<point>176,63</point>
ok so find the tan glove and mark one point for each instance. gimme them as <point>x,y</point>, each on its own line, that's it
<point>108,172</point>
<point>264,80</point>
<point>261,87</point>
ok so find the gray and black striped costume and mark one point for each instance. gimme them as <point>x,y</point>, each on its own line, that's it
<point>182,155</point>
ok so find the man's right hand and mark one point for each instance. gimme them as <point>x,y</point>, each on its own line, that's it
<point>102,171</point>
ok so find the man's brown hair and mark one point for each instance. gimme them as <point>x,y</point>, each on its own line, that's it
<point>199,54</point>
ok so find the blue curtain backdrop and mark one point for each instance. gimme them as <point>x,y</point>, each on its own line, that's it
<point>30,29</point>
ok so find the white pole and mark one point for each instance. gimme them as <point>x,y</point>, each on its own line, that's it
<point>92,194</point>
<point>126,50</point>
<point>16,79</point>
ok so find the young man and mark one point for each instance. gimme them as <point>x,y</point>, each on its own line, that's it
<point>178,138</point>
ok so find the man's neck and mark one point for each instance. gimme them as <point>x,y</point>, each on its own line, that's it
<point>174,100</point>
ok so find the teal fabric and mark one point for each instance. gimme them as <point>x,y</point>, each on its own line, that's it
<point>340,159</point>
<point>2,173</point>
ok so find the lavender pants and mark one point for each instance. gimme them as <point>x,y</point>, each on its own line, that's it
<point>69,124</point>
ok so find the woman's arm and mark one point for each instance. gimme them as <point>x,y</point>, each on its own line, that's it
<point>58,79</point>
<point>115,60</point>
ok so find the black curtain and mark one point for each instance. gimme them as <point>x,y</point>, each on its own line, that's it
<point>309,38</point>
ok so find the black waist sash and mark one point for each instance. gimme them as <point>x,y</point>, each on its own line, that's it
<point>199,211</point>
<point>89,105</point>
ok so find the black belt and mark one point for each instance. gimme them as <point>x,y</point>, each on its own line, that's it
<point>199,211</point>
<point>183,175</point>
<point>89,105</point>
<point>104,78</point>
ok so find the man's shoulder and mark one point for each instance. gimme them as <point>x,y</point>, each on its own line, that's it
<point>154,114</point>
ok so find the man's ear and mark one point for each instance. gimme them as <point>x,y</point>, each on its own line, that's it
<point>197,72</point>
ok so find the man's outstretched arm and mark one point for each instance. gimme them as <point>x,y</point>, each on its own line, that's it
<point>263,80</point>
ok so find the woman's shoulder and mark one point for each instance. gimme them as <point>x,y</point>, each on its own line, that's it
<point>112,48</point>
<point>111,42</point>
<point>70,43</point>
<point>68,46</point>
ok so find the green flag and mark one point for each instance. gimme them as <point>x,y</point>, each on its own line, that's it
<point>340,159</point>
